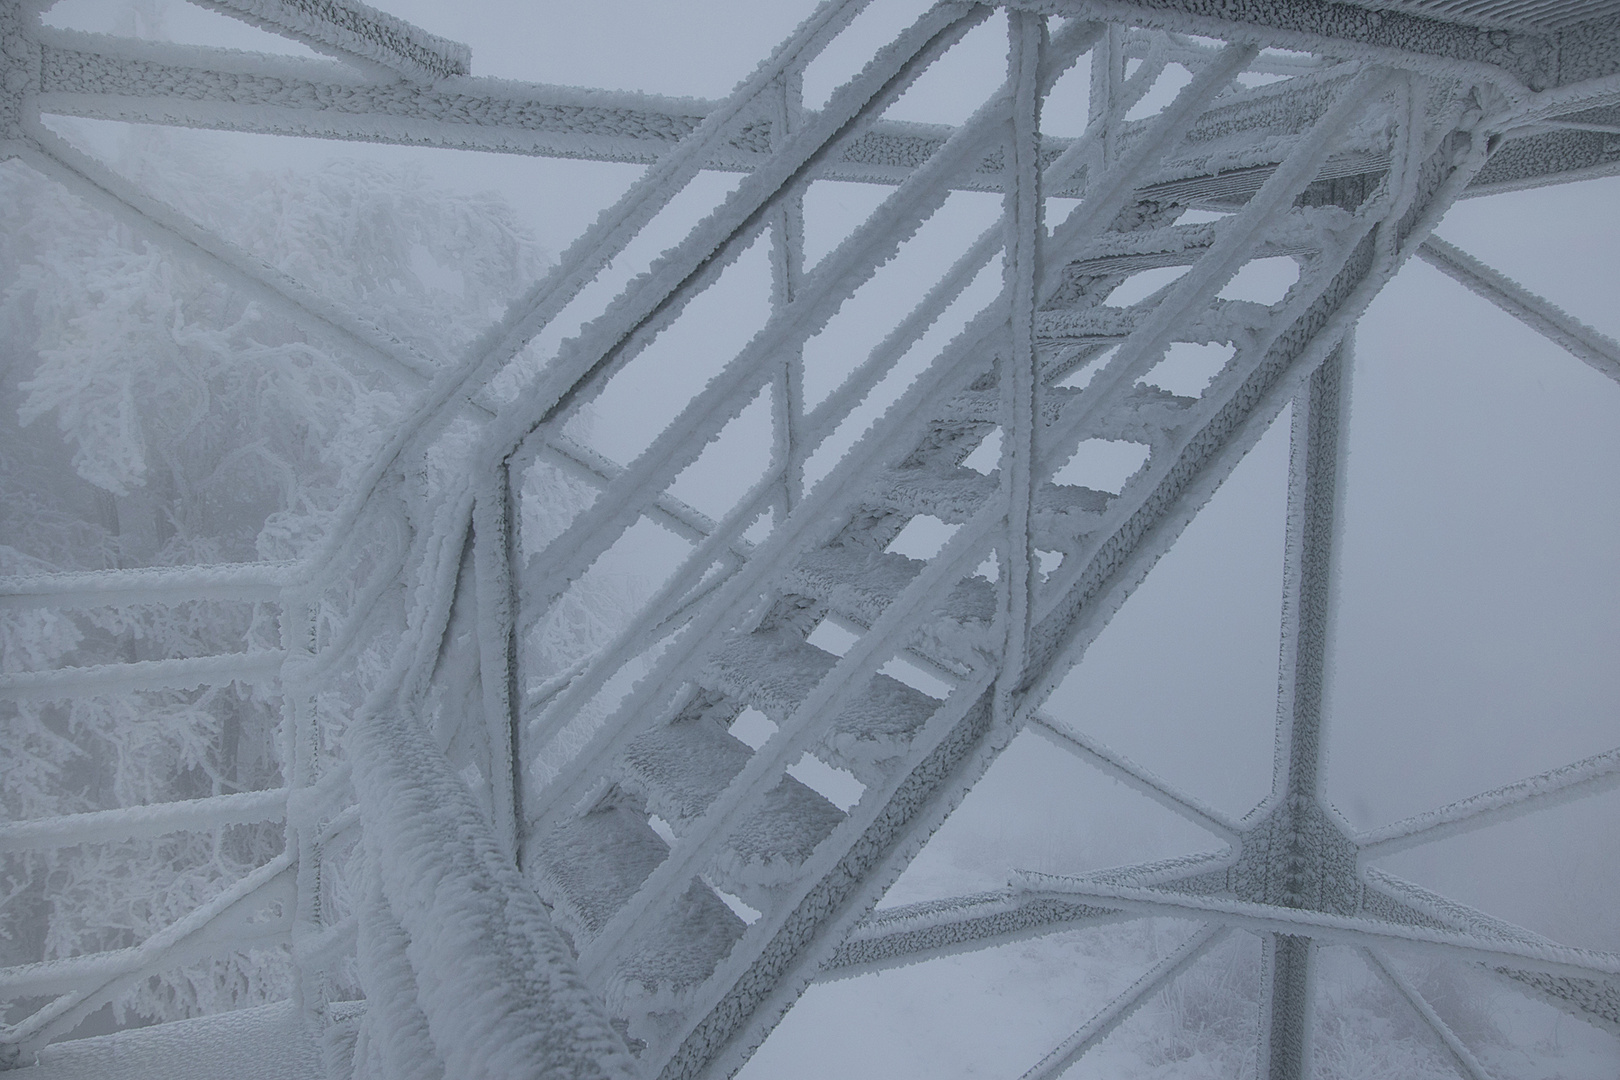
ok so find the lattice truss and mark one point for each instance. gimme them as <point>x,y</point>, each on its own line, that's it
<point>602,870</point>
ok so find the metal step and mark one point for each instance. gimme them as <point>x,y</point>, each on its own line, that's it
<point>1225,321</point>
<point>954,495</point>
<point>588,866</point>
<point>775,670</point>
<point>663,967</point>
<point>860,583</point>
<point>1145,414</point>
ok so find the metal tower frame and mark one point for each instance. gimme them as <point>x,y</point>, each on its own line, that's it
<point>646,891</point>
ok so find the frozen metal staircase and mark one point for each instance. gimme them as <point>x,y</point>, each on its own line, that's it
<point>664,843</point>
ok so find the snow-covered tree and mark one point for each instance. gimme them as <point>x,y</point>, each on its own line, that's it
<point>156,417</point>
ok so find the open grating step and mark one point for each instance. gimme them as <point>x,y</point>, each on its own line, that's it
<point>861,583</point>
<point>682,767</point>
<point>664,966</point>
<point>1224,321</point>
<point>775,670</point>
<point>588,866</point>
<point>954,495</point>
<point>1145,414</point>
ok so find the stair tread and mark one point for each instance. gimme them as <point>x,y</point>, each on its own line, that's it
<point>665,965</point>
<point>769,846</point>
<point>1142,415</point>
<point>774,671</point>
<point>680,768</point>
<point>1224,320</point>
<point>954,495</point>
<point>588,866</point>
<point>862,583</point>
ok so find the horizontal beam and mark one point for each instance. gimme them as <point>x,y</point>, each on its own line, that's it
<point>144,822</point>
<point>270,883</point>
<point>917,932</point>
<point>1547,957</point>
<point>104,77</point>
<point>1547,157</point>
<point>243,582</point>
<point>255,666</point>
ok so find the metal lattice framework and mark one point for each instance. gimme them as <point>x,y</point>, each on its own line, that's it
<point>646,893</point>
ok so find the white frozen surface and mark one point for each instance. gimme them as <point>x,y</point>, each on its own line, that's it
<point>266,1043</point>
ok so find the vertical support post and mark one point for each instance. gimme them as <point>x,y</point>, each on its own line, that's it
<point>301,754</point>
<point>1286,983</point>
<point>1107,76</point>
<point>1020,387</point>
<point>493,543</point>
<point>1313,500</point>
<point>787,269</point>
<point>1314,494</point>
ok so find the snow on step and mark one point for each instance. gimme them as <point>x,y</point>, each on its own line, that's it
<point>1062,511</point>
<point>860,583</point>
<point>682,767</point>
<point>679,768</point>
<point>767,849</point>
<point>1225,321</point>
<point>663,968</point>
<point>775,670</point>
<point>1113,253</point>
<point>586,868</point>
<point>1145,414</point>
<point>589,867</point>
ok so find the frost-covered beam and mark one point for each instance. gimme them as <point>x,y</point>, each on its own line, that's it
<point>1545,318</point>
<point>1547,157</point>
<point>243,582</point>
<point>1589,776</point>
<point>1460,1054</point>
<point>1124,1004</point>
<point>1134,776</point>
<point>913,933</point>
<point>350,29</point>
<point>112,78</point>
<point>144,822</point>
<point>1389,35</point>
<point>1517,952</point>
<point>101,679</point>
<point>85,983</point>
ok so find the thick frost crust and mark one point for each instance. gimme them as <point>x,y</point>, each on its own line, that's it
<point>349,28</point>
<point>492,976</point>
